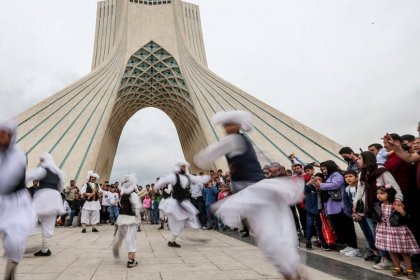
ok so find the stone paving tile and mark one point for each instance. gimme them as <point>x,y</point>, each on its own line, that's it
<point>203,255</point>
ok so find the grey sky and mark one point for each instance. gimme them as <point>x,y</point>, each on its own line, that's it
<point>349,69</point>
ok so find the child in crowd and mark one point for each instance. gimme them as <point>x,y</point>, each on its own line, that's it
<point>61,220</point>
<point>392,233</point>
<point>146,204</point>
<point>154,210</point>
<point>224,192</point>
<point>380,152</point>
<point>313,206</point>
<point>113,200</point>
<point>210,193</point>
<point>352,181</point>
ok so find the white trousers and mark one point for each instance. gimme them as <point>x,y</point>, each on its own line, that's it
<point>127,232</point>
<point>17,219</point>
<point>47,227</point>
<point>90,217</point>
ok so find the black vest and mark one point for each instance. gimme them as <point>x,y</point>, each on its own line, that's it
<point>50,181</point>
<point>165,195</point>
<point>245,167</point>
<point>126,208</point>
<point>178,192</point>
<point>90,190</point>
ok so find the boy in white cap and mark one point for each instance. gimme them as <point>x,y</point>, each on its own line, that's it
<point>91,193</point>
<point>264,203</point>
<point>178,208</point>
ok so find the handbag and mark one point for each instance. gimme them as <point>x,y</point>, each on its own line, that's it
<point>327,229</point>
<point>360,205</point>
<point>336,195</point>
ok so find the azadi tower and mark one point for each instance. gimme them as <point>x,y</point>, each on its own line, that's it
<point>151,54</point>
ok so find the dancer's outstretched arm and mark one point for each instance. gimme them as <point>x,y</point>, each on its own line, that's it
<point>36,174</point>
<point>231,145</point>
<point>162,182</point>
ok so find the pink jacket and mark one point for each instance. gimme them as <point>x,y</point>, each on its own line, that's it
<point>146,202</point>
<point>222,195</point>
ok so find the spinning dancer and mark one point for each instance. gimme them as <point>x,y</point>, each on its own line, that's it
<point>165,194</point>
<point>128,220</point>
<point>47,199</point>
<point>17,217</point>
<point>265,204</point>
<point>178,208</point>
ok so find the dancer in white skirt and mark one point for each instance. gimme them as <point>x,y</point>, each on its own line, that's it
<point>178,208</point>
<point>17,217</point>
<point>128,220</point>
<point>47,198</point>
<point>91,193</point>
<point>165,194</point>
<point>264,203</point>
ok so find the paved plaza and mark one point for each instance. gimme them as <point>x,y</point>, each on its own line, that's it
<point>203,255</point>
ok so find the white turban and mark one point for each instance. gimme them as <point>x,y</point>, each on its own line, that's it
<point>92,174</point>
<point>179,163</point>
<point>129,184</point>
<point>11,128</point>
<point>241,118</point>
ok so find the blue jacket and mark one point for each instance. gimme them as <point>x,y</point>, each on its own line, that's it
<point>311,199</point>
<point>210,195</point>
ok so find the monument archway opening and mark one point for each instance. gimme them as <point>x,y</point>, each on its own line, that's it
<point>148,147</point>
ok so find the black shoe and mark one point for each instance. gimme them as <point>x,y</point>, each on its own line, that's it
<point>112,223</point>
<point>42,254</point>
<point>131,264</point>
<point>84,230</point>
<point>246,234</point>
<point>309,245</point>
<point>325,247</point>
<point>161,227</point>
<point>95,230</point>
<point>138,229</point>
<point>174,244</point>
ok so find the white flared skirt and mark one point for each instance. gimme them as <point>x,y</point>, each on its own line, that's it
<point>180,215</point>
<point>265,206</point>
<point>48,202</point>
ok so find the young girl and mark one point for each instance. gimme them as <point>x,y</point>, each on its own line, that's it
<point>146,204</point>
<point>392,234</point>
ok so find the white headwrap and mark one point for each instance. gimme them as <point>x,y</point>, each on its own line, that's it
<point>129,184</point>
<point>237,117</point>
<point>49,163</point>
<point>92,174</point>
<point>11,128</point>
<point>179,163</point>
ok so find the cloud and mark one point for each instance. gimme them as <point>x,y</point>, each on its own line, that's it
<point>347,69</point>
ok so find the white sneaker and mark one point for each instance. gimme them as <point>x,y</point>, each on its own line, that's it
<point>353,253</point>
<point>383,265</point>
<point>345,250</point>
